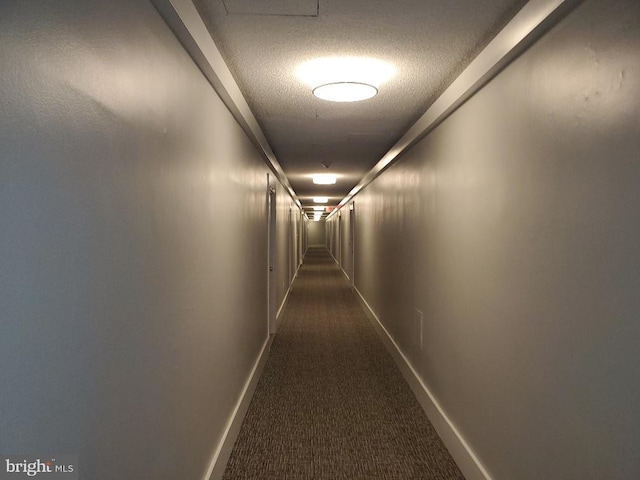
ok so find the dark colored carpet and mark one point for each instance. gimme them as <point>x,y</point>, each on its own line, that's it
<point>331,403</point>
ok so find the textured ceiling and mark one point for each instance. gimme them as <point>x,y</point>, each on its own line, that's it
<point>429,42</point>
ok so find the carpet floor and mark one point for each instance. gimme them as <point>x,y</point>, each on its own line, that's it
<point>331,403</point>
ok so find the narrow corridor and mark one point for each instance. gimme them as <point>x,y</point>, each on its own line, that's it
<point>331,403</point>
<point>166,164</point>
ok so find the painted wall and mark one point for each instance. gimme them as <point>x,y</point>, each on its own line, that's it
<point>346,250</point>
<point>334,236</point>
<point>317,233</point>
<point>285,267</point>
<point>331,229</point>
<point>341,238</point>
<point>305,235</point>
<point>132,244</point>
<point>514,228</point>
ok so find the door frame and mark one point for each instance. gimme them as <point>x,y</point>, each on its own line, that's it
<point>352,241</point>
<point>271,257</point>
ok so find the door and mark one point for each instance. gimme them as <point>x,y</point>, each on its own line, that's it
<point>339,239</point>
<point>352,241</point>
<point>271,256</point>
<point>290,245</point>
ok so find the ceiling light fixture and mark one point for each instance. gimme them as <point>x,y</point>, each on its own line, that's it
<point>318,209</point>
<point>320,199</point>
<point>345,79</point>
<point>324,179</point>
<point>345,91</point>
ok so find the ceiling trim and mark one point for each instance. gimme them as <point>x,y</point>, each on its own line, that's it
<point>187,25</point>
<point>529,24</point>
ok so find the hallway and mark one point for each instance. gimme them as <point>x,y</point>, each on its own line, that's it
<point>165,167</point>
<point>331,403</point>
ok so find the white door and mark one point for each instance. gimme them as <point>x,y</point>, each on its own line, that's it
<point>352,241</point>
<point>271,246</point>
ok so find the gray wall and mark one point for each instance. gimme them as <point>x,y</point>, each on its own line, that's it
<point>132,244</point>
<point>285,267</point>
<point>515,228</point>
<point>333,234</point>
<point>339,238</point>
<point>316,232</point>
<point>346,256</point>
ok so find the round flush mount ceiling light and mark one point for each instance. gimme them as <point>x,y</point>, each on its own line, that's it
<point>345,91</point>
<point>345,79</point>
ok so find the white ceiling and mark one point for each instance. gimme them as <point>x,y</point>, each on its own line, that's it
<point>429,42</point>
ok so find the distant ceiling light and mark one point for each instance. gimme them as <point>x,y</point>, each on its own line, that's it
<point>320,199</point>
<point>324,179</point>
<point>345,92</point>
<point>318,209</point>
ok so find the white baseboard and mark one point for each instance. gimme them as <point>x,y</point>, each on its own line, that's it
<point>282,305</point>
<point>346,275</point>
<point>221,456</point>
<point>284,300</point>
<point>459,449</point>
